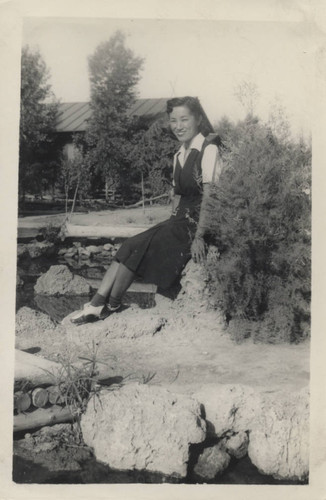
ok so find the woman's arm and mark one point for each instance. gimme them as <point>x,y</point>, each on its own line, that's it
<point>198,251</point>
<point>211,170</point>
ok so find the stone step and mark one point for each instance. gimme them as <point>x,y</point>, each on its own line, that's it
<point>136,286</point>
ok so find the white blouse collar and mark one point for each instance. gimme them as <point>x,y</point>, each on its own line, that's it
<point>196,143</point>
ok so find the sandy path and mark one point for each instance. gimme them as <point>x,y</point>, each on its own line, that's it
<point>186,362</point>
<point>184,356</point>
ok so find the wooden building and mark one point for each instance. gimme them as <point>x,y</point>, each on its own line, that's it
<point>73,117</point>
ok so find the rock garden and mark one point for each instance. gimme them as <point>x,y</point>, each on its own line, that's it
<point>156,393</point>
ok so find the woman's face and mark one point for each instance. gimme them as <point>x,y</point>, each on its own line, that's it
<point>184,124</point>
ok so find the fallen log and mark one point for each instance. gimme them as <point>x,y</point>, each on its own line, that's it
<point>34,369</point>
<point>42,417</point>
<point>33,372</point>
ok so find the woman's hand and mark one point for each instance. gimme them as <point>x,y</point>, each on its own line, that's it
<point>198,249</point>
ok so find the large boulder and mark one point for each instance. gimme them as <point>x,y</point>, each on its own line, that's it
<point>59,280</point>
<point>34,329</point>
<point>195,296</point>
<point>28,321</point>
<point>229,408</point>
<point>277,424</point>
<point>194,290</point>
<point>279,440</point>
<point>143,427</point>
<point>130,323</point>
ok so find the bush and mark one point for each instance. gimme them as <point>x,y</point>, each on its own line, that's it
<point>259,217</point>
<point>51,233</point>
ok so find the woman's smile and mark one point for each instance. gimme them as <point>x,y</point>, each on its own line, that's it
<point>184,124</point>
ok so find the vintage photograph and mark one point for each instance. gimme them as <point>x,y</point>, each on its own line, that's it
<point>163,295</point>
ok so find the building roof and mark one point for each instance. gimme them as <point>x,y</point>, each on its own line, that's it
<point>73,116</point>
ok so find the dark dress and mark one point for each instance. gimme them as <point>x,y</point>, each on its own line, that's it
<point>159,254</point>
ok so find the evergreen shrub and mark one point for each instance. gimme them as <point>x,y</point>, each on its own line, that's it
<point>259,216</point>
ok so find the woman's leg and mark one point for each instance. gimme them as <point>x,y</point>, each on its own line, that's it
<point>123,279</point>
<point>115,282</point>
<point>106,285</point>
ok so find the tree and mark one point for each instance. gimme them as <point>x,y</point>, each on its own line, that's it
<point>114,73</point>
<point>259,216</point>
<point>278,120</point>
<point>75,176</point>
<point>152,152</point>
<point>247,94</point>
<point>37,122</point>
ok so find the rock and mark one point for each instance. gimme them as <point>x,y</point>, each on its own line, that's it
<point>21,251</point>
<point>229,408</point>
<point>103,255</point>
<point>277,423</point>
<point>82,252</point>
<point>195,293</point>
<point>28,321</point>
<point>58,307</point>
<point>77,244</point>
<point>211,462</point>
<point>94,249</point>
<point>237,444</point>
<point>163,302</point>
<point>73,263</point>
<point>36,249</point>
<point>193,284</point>
<point>143,427</point>
<point>108,246</point>
<point>62,251</point>
<point>71,252</point>
<point>19,280</point>
<point>60,281</point>
<point>131,323</point>
<point>279,440</point>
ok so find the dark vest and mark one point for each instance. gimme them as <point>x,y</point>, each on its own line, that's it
<point>189,183</point>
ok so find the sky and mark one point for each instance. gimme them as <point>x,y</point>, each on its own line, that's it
<point>208,59</point>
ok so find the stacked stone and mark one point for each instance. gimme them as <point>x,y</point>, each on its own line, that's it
<point>92,252</point>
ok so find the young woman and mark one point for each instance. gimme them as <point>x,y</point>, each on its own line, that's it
<point>159,254</point>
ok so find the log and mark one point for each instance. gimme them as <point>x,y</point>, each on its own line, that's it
<point>40,397</point>
<point>75,231</point>
<point>34,369</point>
<point>42,417</point>
<point>22,401</point>
<point>55,396</point>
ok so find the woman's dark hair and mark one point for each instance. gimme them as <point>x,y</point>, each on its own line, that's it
<point>192,104</point>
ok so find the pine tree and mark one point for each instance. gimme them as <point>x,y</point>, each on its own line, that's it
<point>114,74</point>
<point>259,216</point>
<point>37,122</point>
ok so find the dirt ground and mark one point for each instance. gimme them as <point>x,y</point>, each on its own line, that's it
<point>185,355</point>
